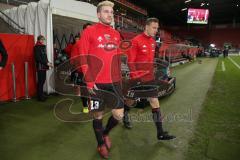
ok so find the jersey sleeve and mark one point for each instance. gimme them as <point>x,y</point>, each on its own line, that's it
<point>83,50</point>
<point>132,54</point>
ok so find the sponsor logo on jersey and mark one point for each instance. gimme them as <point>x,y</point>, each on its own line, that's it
<point>107,37</point>
<point>100,46</point>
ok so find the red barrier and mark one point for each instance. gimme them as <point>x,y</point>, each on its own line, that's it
<point>20,50</point>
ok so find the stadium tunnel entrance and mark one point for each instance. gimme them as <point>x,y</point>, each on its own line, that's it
<point>65,28</point>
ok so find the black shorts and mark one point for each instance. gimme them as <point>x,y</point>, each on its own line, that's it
<point>150,89</point>
<point>107,95</point>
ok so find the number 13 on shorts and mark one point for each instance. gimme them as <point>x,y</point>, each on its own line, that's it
<point>94,105</point>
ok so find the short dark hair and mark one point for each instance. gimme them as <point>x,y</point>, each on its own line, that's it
<point>76,36</point>
<point>86,25</point>
<point>151,20</point>
<point>40,37</point>
<point>117,26</point>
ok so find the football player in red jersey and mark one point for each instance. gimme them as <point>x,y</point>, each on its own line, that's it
<point>141,58</point>
<point>100,41</point>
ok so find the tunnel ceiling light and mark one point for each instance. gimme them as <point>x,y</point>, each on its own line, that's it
<point>183,9</point>
<point>187,1</point>
<point>212,45</point>
<point>20,1</point>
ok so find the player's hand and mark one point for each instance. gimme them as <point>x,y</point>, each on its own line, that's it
<point>91,90</point>
<point>1,68</point>
<point>50,64</point>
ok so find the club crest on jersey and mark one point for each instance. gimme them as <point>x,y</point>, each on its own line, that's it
<point>100,39</point>
<point>107,36</point>
<point>144,46</point>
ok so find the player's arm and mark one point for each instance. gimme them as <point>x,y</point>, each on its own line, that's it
<point>74,54</point>
<point>132,54</point>
<point>83,50</point>
<point>4,55</point>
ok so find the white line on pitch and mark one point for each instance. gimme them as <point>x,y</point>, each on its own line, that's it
<point>223,67</point>
<point>234,62</point>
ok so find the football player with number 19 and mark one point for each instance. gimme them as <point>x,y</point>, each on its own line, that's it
<point>141,58</point>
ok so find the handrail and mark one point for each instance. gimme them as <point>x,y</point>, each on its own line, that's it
<point>19,28</point>
<point>122,20</point>
<point>132,6</point>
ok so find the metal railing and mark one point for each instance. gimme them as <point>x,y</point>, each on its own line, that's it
<point>13,25</point>
<point>129,23</point>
